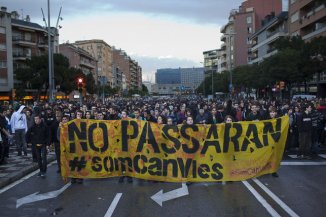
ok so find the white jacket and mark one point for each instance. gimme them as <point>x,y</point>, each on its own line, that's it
<point>18,120</point>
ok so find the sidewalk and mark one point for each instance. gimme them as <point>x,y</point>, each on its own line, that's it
<point>19,166</point>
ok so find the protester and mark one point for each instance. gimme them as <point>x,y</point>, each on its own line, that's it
<point>19,128</point>
<point>305,132</point>
<point>4,136</point>
<point>39,136</point>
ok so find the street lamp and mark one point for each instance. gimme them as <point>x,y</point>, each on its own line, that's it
<point>50,50</point>
<point>204,79</point>
<point>97,74</point>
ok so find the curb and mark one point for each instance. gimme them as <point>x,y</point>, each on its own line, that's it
<point>21,173</point>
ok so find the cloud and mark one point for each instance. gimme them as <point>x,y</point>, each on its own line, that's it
<point>201,11</point>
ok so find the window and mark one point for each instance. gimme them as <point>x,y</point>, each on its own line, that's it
<point>249,20</point>
<point>28,36</point>
<point>295,17</point>
<point>249,30</point>
<point>2,46</point>
<point>3,64</point>
<point>2,30</point>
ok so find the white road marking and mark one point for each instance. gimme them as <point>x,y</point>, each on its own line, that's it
<point>38,197</point>
<point>161,197</point>
<point>261,200</point>
<point>322,155</point>
<point>293,156</point>
<point>303,163</point>
<point>113,205</point>
<point>276,199</point>
<point>6,188</point>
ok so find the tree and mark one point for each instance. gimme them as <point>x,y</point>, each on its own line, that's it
<point>35,75</point>
<point>144,89</point>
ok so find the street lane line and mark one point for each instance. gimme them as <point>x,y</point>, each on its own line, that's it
<point>261,200</point>
<point>113,205</point>
<point>303,163</point>
<point>6,188</point>
<point>293,156</point>
<point>322,155</point>
<point>276,198</point>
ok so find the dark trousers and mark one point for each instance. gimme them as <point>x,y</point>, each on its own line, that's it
<point>57,154</point>
<point>305,143</point>
<point>41,157</point>
<point>2,152</point>
<point>34,153</point>
<point>6,145</point>
<point>20,140</point>
<point>4,149</point>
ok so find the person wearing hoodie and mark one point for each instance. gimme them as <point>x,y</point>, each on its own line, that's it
<point>19,128</point>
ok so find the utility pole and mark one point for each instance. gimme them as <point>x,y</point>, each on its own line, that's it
<point>50,56</point>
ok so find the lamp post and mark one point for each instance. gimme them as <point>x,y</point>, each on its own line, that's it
<point>50,50</point>
<point>97,74</point>
<point>50,56</point>
<point>204,79</point>
<point>212,83</point>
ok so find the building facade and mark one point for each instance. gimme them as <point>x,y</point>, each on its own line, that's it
<point>168,76</point>
<point>263,40</point>
<point>102,53</point>
<point>307,18</point>
<point>120,66</point>
<point>180,80</point>
<point>20,40</point>
<point>79,58</point>
<point>241,25</point>
<point>211,61</point>
<point>127,74</point>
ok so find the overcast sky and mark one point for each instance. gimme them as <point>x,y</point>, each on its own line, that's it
<point>156,33</point>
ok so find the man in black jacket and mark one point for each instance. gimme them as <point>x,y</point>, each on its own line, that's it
<point>305,130</point>
<point>39,136</point>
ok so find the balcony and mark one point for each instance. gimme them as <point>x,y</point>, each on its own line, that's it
<point>42,44</point>
<point>223,46</point>
<point>223,38</point>
<point>21,56</point>
<point>312,15</point>
<point>87,64</point>
<point>21,40</point>
<point>314,33</point>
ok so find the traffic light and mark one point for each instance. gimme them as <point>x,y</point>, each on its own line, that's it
<point>80,84</point>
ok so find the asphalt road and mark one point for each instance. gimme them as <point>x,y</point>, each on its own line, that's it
<point>299,190</point>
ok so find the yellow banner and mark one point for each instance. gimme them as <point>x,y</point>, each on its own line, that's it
<point>195,153</point>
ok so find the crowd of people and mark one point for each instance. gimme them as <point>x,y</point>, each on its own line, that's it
<point>37,125</point>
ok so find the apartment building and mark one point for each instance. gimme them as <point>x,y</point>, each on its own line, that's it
<point>135,75</point>
<point>102,53</point>
<point>20,39</point>
<point>263,40</point>
<point>120,70</point>
<point>79,58</point>
<point>307,18</point>
<point>211,61</point>
<point>242,23</point>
